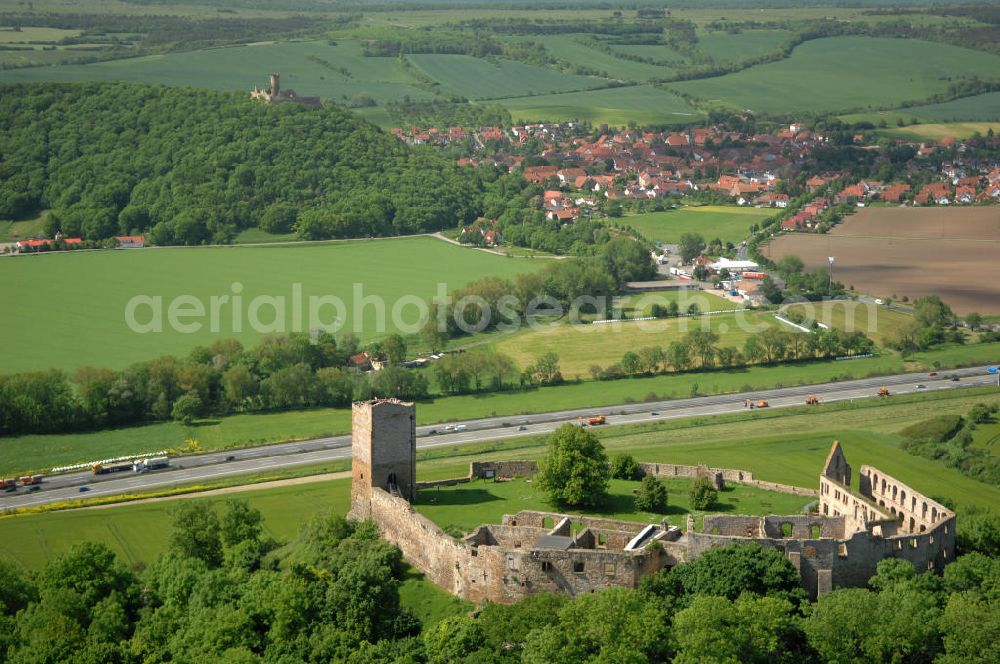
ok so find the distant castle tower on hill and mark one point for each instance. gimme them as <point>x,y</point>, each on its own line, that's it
<point>276,95</point>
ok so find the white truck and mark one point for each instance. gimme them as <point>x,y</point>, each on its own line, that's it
<point>150,464</point>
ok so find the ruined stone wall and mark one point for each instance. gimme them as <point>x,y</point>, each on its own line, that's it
<point>720,476</point>
<point>502,469</point>
<point>783,488</point>
<point>836,499</point>
<point>549,520</point>
<point>914,512</point>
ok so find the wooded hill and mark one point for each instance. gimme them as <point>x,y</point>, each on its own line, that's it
<point>191,166</point>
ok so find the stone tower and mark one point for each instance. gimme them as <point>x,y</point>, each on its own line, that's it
<point>384,451</point>
<point>274,85</point>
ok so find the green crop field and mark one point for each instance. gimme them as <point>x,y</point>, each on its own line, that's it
<point>569,48</point>
<point>581,346</point>
<point>89,292</point>
<point>478,79</point>
<point>726,47</point>
<point>843,73</point>
<point>41,452</point>
<point>729,224</point>
<point>641,104</point>
<point>240,68</point>
<point>978,107</point>
<point>658,52</point>
<point>878,323</point>
<point>465,506</point>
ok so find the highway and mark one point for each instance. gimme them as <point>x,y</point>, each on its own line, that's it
<point>208,467</point>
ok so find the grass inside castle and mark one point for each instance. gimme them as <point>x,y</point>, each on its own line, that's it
<point>463,507</point>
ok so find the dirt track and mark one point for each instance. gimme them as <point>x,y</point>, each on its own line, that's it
<point>892,252</point>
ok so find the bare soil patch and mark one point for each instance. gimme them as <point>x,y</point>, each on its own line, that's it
<point>894,252</point>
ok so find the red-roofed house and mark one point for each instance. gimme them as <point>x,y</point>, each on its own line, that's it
<point>130,241</point>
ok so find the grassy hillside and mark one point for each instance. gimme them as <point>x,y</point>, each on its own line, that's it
<point>844,73</point>
<point>89,293</point>
<point>728,47</point>
<point>729,224</point>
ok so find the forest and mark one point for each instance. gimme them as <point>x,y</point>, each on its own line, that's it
<point>226,592</point>
<point>190,166</point>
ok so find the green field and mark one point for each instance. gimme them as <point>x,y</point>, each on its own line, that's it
<point>729,224</point>
<point>582,346</point>
<point>978,107</point>
<point>474,78</point>
<point>726,47</point>
<point>878,323</point>
<point>41,452</point>
<point>658,53</point>
<point>817,77</point>
<point>641,104</point>
<point>242,67</point>
<point>569,49</point>
<point>89,291</point>
<point>466,506</point>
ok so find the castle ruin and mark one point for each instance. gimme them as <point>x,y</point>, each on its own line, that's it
<point>534,551</point>
<point>274,94</point>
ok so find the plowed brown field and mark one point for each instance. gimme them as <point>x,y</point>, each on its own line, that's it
<point>891,252</point>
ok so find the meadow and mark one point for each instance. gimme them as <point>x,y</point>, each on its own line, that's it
<point>89,292</point>
<point>640,304</point>
<point>582,346</point>
<point>729,224</point>
<point>42,452</point>
<point>815,78</point>
<point>465,506</point>
<point>641,104</point>
<point>466,76</point>
<point>878,323</point>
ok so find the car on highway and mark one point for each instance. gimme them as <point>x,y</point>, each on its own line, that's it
<point>954,379</point>
<point>432,432</point>
<point>231,457</point>
<point>460,427</point>
<point>921,386</point>
<point>34,488</point>
<point>933,373</point>
<point>522,428</point>
<point>83,489</point>
<point>654,414</point>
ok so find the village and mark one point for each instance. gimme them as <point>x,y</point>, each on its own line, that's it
<point>585,171</point>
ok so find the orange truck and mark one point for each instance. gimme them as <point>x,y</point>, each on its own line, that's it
<point>812,400</point>
<point>883,391</point>
<point>597,419</point>
<point>763,404</point>
<point>29,480</point>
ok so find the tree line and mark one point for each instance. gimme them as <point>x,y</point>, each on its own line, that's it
<point>700,349</point>
<point>281,372</point>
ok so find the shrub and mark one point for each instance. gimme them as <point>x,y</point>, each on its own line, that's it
<point>703,494</point>
<point>652,496</point>
<point>625,467</point>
